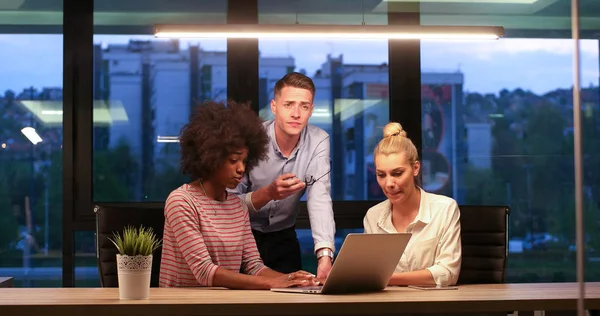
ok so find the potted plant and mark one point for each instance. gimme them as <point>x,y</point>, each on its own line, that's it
<point>134,261</point>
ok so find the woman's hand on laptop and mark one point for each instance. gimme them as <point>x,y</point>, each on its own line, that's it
<point>298,278</point>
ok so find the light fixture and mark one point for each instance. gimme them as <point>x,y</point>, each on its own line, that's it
<point>167,139</point>
<point>52,112</point>
<point>321,112</point>
<point>32,135</point>
<point>311,31</point>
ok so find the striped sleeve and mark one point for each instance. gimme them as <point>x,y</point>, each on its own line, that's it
<point>181,216</point>
<point>251,261</point>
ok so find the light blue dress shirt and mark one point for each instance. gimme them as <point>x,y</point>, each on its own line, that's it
<point>311,157</point>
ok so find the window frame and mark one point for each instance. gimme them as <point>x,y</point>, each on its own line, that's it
<point>404,62</point>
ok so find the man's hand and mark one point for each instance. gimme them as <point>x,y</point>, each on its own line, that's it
<point>323,268</point>
<point>284,186</point>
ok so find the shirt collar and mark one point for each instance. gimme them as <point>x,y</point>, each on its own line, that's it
<point>424,215</point>
<point>271,131</point>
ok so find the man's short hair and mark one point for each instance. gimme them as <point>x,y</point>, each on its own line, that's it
<point>295,80</point>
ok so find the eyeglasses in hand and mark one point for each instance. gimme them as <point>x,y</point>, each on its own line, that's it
<point>310,180</point>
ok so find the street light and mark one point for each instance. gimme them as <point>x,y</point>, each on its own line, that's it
<point>32,135</point>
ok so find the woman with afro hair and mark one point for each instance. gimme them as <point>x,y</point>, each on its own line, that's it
<point>207,237</point>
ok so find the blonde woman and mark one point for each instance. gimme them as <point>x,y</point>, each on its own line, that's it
<point>433,255</point>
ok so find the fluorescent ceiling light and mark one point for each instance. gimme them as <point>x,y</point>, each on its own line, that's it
<point>32,135</point>
<point>306,31</point>
<point>167,139</point>
<point>52,112</point>
<point>321,112</point>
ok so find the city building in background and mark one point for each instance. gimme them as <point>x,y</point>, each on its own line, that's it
<point>153,85</point>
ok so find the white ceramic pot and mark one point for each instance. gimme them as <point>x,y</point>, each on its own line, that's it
<point>134,276</point>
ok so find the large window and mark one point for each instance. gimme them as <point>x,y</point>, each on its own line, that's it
<point>496,117</point>
<point>31,159</point>
<point>144,90</point>
<point>498,129</point>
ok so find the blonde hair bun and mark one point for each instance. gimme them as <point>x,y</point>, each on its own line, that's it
<point>393,129</point>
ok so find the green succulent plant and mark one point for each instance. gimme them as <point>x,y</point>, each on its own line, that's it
<point>136,241</point>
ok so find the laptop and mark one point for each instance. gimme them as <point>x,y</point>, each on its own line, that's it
<point>365,263</point>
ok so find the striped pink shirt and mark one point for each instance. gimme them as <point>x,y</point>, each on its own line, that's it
<point>201,235</point>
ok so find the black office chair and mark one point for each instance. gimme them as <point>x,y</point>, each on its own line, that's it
<point>111,219</point>
<point>484,234</point>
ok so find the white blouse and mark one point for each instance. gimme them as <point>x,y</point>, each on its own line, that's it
<point>435,244</point>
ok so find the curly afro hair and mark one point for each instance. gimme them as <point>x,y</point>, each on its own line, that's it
<point>217,129</point>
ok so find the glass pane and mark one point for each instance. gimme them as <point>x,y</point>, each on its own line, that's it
<point>533,19</point>
<point>498,130</point>
<point>86,266</point>
<point>307,246</point>
<point>590,121</point>
<point>144,90</point>
<point>120,17</point>
<point>31,157</point>
<point>351,102</point>
<point>34,17</point>
<point>329,12</point>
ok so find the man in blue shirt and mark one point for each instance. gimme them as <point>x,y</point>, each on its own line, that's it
<point>299,162</point>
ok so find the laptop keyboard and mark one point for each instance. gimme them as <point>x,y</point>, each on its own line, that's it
<point>311,288</point>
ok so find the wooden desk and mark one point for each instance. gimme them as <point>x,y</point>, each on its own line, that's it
<point>6,282</point>
<point>211,301</point>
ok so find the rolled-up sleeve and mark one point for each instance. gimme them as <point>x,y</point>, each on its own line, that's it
<point>318,199</point>
<point>448,260</point>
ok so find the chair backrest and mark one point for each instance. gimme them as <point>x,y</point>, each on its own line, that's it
<point>110,219</point>
<point>484,235</point>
